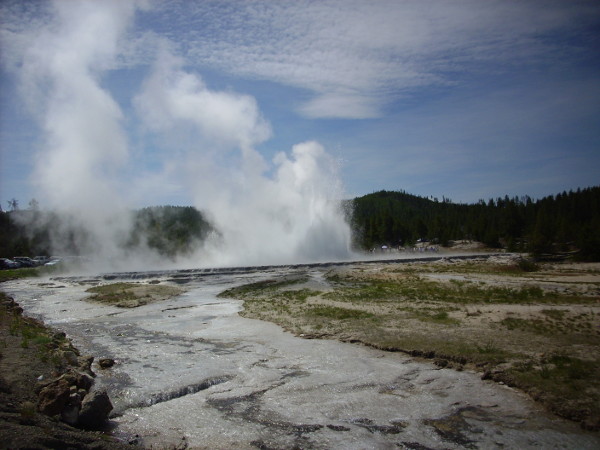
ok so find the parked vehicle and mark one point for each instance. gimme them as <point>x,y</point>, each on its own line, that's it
<point>6,263</point>
<point>52,261</point>
<point>41,260</point>
<point>25,261</point>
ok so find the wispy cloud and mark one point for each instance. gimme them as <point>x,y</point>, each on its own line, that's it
<point>171,94</point>
<point>355,57</point>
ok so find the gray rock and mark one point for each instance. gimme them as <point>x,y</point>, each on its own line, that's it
<point>94,410</point>
<point>54,397</point>
<point>79,379</point>
<point>70,357</point>
<point>85,364</point>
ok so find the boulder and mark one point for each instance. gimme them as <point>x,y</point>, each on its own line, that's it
<point>54,397</point>
<point>70,357</point>
<point>105,363</point>
<point>94,410</point>
<point>85,364</point>
<point>79,379</point>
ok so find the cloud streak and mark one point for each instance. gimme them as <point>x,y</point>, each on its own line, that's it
<point>357,58</point>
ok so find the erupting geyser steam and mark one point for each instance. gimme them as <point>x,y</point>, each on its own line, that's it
<point>203,142</point>
<point>294,217</point>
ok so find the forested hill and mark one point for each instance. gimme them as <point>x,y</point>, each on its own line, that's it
<point>169,230</point>
<point>565,222</point>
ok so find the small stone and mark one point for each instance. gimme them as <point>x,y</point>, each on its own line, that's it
<point>106,363</point>
<point>70,357</point>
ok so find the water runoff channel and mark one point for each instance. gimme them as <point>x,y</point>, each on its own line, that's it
<point>191,371</point>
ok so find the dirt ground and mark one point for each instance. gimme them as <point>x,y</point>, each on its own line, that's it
<point>23,362</point>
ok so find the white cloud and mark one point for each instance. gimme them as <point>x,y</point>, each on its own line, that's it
<point>357,57</point>
<point>171,95</point>
<point>354,58</point>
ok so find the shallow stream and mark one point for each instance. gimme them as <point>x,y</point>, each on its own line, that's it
<point>190,370</point>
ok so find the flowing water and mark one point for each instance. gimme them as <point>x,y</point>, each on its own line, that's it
<point>191,371</point>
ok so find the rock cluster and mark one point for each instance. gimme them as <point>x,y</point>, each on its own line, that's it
<point>71,397</point>
<point>63,391</point>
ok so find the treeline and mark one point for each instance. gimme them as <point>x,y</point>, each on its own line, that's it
<point>569,221</point>
<point>169,230</point>
<point>18,239</point>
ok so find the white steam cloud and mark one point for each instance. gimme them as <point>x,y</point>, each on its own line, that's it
<point>283,211</point>
<point>293,216</point>
<point>84,144</point>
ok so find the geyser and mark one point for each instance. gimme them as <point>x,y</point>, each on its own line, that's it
<point>296,216</point>
<point>202,142</point>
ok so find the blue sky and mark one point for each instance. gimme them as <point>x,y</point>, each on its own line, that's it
<point>463,99</point>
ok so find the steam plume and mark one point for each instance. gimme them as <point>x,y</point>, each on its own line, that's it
<point>292,215</point>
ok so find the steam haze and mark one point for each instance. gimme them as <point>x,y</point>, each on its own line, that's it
<point>254,111</point>
<point>281,211</point>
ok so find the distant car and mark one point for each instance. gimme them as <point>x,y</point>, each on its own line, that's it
<point>6,263</point>
<point>25,261</point>
<point>52,261</point>
<point>40,260</point>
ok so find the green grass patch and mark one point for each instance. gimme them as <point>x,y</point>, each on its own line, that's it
<point>27,272</point>
<point>335,313</point>
<point>536,326</point>
<point>113,293</point>
<point>568,384</point>
<point>260,288</point>
<point>433,315</point>
<point>556,314</point>
<point>131,295</point>
<point>488,348</point>
<point>459,292</point>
